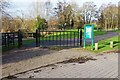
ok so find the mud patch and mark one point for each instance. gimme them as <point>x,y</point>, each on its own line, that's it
<point>55,48</point>
<point>78,60</point>
<point>37,71</point>
<point>48,65</point>
<point>9,77</point>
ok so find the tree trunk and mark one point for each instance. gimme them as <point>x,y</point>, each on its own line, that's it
<point>105,25</point>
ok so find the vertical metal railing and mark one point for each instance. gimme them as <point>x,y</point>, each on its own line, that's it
<point>67,38</point>
<point>10,39</point>
<point>81,38</point>
<point>78,37</point>
<point>59,38</point>
<point>74,39</point>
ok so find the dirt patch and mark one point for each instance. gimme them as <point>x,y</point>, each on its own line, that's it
<point>35,71</point>
<point>9,77</point>
<point>48,65</point>
<point>55,48</point>
<point>78,60</point>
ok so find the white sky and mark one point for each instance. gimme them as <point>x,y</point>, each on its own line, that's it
<point>25,4</point>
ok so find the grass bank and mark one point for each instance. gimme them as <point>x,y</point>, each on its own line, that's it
<point>104,45</point>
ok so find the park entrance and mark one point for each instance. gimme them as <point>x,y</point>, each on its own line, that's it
<point>68,38</point>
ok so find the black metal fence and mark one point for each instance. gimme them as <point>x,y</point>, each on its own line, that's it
<point>12,38</point>
<point>58,38</point>
<point>44,38</point>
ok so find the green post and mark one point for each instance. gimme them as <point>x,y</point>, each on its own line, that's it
<point>92,36</point>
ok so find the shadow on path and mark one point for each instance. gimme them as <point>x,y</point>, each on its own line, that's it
<point>24,54</point>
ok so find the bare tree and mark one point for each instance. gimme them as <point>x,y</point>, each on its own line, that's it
<point>4,4</point>
<point>109,17</point>
<point>88,10</point>
<point>5,16</point>
<point>119,15</point>
<point>48,10</point>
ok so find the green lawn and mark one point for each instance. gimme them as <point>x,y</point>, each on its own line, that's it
<point>117,31</point>
<point>29,41</point>
<point>96,32</point>
<point>104,45</point>
<point>4,49</point>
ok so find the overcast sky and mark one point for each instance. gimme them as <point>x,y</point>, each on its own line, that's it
<point>25,4</point>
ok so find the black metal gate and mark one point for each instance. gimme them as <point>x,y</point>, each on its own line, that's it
<point>58,38</point>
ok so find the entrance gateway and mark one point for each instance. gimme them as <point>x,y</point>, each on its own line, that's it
<point>64,38</point>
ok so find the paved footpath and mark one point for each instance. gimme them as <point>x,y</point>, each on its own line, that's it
<point>105,36</point>
<point>106,66</point>
<point>36,57</point>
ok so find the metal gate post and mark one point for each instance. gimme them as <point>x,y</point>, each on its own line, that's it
<point>19,38</point>
<point>39,35</point>
<point>81,37</point>
<point>36,38</point>
<point>78,37</point>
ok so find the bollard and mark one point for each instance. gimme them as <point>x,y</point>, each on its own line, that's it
<point>111,44</point>
<point>96,46</point>
<point>81,37</point>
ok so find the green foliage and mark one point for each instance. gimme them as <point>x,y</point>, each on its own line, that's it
<point>117,31</point>
<point>38,22</point>
<point>108,18</point>
<point>64,12</point>
<point>41,23</point>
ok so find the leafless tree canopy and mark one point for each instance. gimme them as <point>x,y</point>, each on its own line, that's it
<point>63,15</point>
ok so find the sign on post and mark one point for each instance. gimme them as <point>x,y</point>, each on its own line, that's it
<point>89,33</point>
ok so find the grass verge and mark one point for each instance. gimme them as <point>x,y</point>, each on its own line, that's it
<point>104,45</point>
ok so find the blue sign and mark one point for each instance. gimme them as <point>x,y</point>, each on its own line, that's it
<point>88,33</point>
